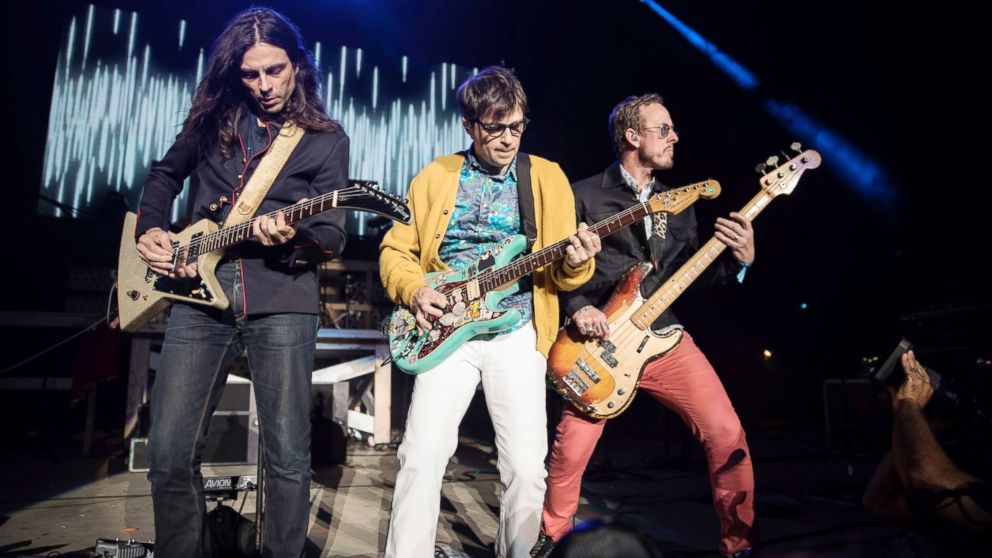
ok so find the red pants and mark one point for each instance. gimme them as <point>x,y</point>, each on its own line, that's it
<point>685,382</point>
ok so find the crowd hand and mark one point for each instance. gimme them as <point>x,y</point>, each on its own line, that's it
<point>916,387</point>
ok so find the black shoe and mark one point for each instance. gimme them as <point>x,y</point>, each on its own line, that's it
<point>543,546</point>
<point>746,553</point>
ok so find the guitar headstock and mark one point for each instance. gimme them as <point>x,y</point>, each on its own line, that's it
<point>365,195</point>
<point>783,179</point>
<point>675,200</point>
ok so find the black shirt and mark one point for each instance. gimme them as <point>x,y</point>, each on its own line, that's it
<point>276,278</point>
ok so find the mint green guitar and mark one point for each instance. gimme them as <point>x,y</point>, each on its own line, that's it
<point>474,294</point>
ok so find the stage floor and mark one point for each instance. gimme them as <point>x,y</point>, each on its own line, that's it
<point>806,500</point>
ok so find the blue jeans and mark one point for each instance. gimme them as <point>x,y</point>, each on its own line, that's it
<point>200,346</point>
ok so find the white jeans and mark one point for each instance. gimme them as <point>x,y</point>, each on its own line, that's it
<point>512,373</point>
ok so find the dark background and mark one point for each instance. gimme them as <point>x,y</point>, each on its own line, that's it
<point>902,85</point>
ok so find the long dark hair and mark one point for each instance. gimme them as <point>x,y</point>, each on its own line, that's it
<point>221,99</point>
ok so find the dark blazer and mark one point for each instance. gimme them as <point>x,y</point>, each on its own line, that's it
<point>276,278</point>
<point>605,194</point>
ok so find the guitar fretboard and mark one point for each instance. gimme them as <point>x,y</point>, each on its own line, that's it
<point>495,278</point>
<point>226,237</point>
<point>691,270</point>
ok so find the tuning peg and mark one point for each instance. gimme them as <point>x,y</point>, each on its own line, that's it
<point>761,169</point>
<point>796,146</point>
<point>772,161</point>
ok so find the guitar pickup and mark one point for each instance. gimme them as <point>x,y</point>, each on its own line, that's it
<point>575,383</point>
<point>588,371</point>
<point>608,359</point>
<point>175,254</point>
<point>609,347</point>
<point>473,289</point>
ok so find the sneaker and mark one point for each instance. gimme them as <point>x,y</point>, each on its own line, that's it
<point>444,551</point>
<point>543,547</point>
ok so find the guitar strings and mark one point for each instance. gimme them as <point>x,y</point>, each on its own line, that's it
<point>242,229</point>
<point>492,278</point>
<point>628,331</point>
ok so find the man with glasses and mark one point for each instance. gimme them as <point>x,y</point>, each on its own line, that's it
<point>644,139</point>
<point>463,207</point>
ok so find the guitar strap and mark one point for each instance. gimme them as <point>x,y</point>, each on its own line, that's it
<point>265,174</point>
<point>525,197</point>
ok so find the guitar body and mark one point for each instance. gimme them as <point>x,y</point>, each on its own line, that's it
<point>142,293</point>
<point>473,294</point>
<point>600,377</point>
<point>471,311</point>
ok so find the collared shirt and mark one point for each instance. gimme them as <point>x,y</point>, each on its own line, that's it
<point>659,223</point>
<point>486,212</point>
<point>604,195</point>
<point>643,193</point>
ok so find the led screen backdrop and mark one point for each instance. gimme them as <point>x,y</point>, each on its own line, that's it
<point>122,89</point>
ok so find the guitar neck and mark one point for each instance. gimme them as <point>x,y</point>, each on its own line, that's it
<point>226,237</point>
<point>691,270</point>
<point>495,278</point>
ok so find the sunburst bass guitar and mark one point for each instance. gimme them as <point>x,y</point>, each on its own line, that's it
<point>600,377</point>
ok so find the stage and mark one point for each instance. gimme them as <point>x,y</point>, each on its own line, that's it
<point>880,242</point>
<point>807,501</point>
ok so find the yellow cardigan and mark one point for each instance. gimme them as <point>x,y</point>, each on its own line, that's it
<point>410,251</point>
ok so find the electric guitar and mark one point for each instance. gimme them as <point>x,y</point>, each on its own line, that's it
<point>474,294</point>
<point>142,293</point>
<point>600,377</point>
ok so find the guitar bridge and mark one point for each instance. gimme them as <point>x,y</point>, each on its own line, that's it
<point>644,342</point>
<point>575,383</point>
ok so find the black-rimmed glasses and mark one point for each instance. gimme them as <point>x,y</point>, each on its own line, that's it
<point>496,129</point>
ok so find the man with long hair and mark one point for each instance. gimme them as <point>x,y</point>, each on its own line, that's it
<point>258,79</point>
<point>464,206</point>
